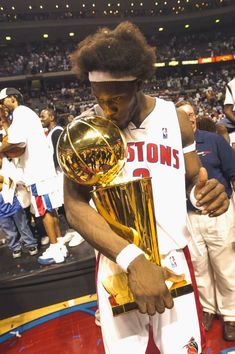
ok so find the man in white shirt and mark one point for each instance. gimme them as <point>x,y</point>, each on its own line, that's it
<point>229,110</point>
<point>38,171</point>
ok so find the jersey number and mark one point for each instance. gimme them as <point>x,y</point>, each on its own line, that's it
<point>141,172</point>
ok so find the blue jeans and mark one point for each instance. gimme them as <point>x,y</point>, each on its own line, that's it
<point>16,225</point>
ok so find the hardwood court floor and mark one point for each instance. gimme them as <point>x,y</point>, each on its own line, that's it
<point>77,333</point>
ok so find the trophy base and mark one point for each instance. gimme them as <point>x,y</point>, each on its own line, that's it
<point>120,309</point>
<point>182,290</point>
<point>130,306</point>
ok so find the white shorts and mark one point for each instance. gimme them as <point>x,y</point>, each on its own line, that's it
<point>45,197</point>
<point>175,331</point>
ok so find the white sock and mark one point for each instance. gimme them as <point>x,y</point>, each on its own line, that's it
<point>55,245</point>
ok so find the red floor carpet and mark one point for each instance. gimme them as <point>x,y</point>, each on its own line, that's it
<point>76,333</point>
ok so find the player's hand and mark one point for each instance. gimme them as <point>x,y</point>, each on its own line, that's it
<point>210,195</point>
<point>147,283</point>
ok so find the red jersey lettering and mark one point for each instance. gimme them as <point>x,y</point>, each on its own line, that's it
<point>165,153</point>
<point>152,153</point>
<point>130,152</point>
<point>140,154</point>
<point>176,157</point>
<point>141,172</point>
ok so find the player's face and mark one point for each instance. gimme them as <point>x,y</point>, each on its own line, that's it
<point>118,100</point>
<point>45,118</point>
<point>9,103</point>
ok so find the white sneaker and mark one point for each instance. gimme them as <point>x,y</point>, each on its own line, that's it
<point>62,246</point>
<point>64,251</point>
<point>76,239</point>
<point>53,254</point>
<point>68,235</point>
<point>45,240</point>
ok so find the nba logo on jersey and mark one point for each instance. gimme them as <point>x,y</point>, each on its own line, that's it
<point>173,262</point>
<point>164,133</point>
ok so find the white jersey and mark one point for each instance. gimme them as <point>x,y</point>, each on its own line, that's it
<point>230,94</point>
<point>50,143</point>
<point>155,150</point>
<point>59,181</point>
<point>37,162</point>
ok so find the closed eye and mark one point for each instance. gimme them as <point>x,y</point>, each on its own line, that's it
<point>113,100</point>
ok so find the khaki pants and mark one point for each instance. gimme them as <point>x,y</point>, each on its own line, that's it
<point>213,254</point>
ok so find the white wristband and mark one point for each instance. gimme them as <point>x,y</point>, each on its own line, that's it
<point>127,255</point>
<point>193,200</point>
<point>189,148</point>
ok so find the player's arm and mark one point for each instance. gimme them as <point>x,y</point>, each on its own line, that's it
<point>146,280</point>
<point>6,146</point>
<point>209,193</point>
<point>11,150</point>
<point>85,219</point>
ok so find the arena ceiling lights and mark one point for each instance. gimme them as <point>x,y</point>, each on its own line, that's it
<point>174,6</point>
<point>80,16</point>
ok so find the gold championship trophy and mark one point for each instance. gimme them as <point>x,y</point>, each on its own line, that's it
<point>91,151</point>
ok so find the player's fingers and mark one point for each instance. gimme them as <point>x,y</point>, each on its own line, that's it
<point>142,306</point>
<point>160,305</point>
<point>202,179</point>
<point>171,276</point>
<point>151,308</point>
<point>168,300</point>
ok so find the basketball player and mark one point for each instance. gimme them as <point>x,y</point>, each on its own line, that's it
<point>37,167</point>
<point>160,145</point>
<point>48,120</point>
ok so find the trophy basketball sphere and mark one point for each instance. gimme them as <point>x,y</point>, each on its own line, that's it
<point>91,150</point>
